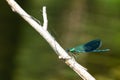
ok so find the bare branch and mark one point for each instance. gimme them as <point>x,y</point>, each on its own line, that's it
<point>45,21</point>
<point>81,71</point>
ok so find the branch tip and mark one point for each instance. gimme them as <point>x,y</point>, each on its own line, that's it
<point>45,21</point>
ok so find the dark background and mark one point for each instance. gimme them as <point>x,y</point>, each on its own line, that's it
<point>25,55</point>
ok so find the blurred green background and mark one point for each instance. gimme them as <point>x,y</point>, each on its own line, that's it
<point>25,55</point>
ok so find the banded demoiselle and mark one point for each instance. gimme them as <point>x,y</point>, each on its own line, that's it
<point>91,46</point>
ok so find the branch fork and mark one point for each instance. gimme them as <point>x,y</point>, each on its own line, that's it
<point>42,30</point>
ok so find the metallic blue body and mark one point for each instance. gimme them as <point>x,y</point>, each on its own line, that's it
<point>91,46</point>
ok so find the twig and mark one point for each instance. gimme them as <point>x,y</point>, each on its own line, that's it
<point>45,21</point>
<point>42,30</point>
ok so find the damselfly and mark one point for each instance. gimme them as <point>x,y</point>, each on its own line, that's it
<point>91,46</point>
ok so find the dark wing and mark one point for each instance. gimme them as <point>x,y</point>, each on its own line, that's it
<point>92,45</point>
